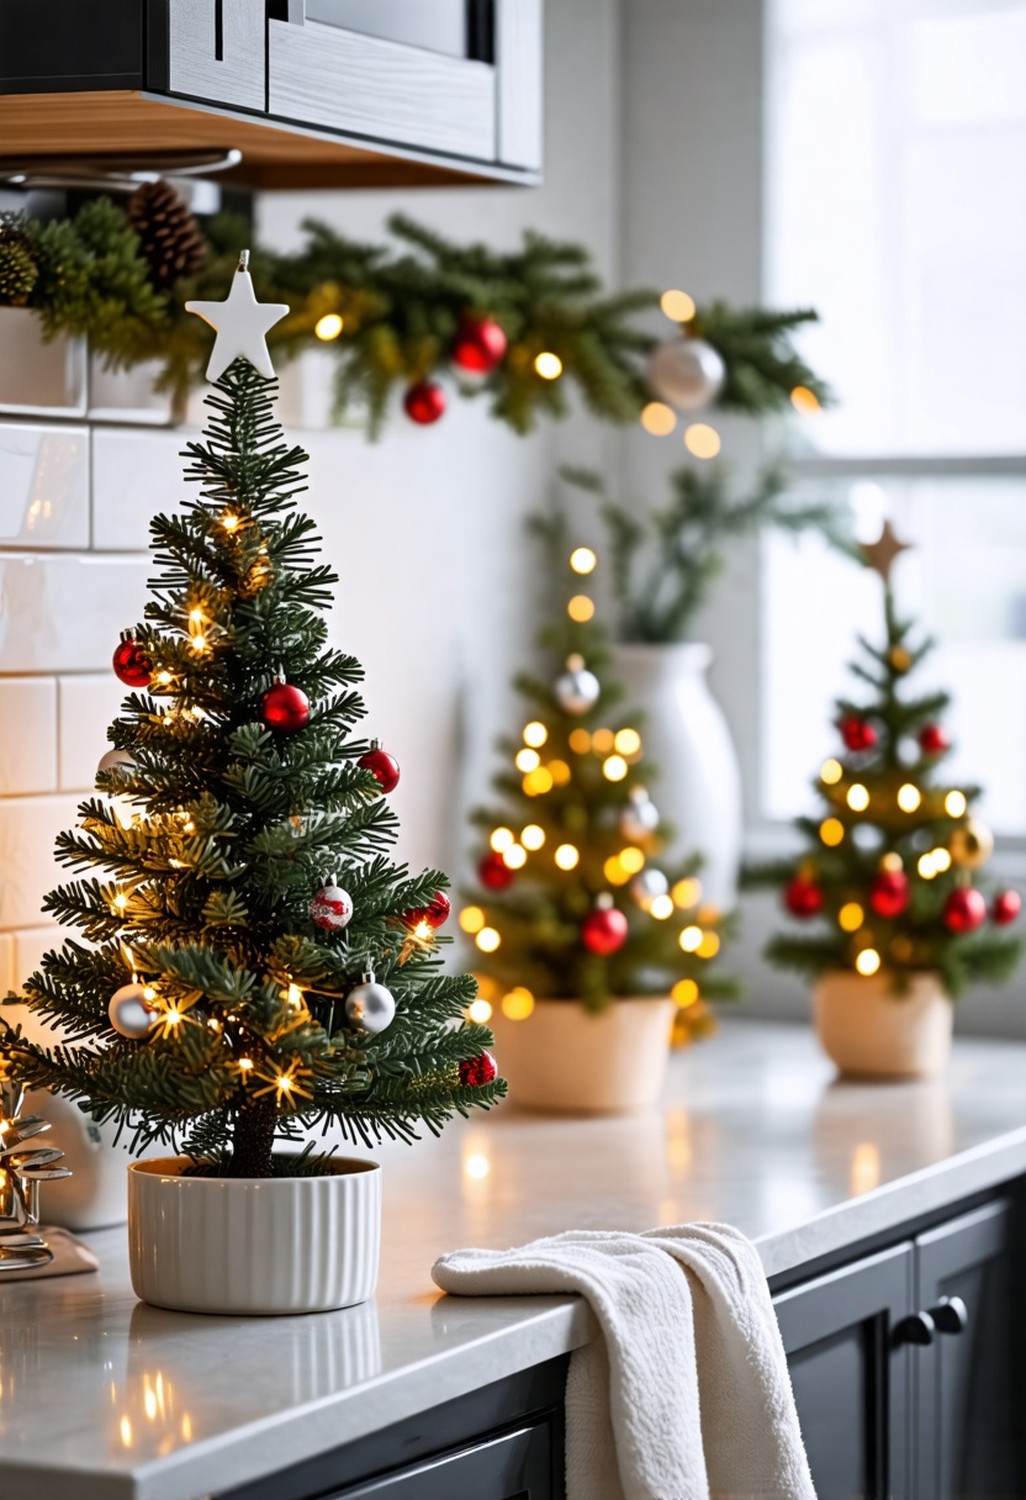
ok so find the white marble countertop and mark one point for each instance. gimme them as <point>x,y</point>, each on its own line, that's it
<point>102,1398</point>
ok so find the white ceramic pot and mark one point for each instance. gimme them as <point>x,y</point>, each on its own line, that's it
<point>563,1059</point>
<point>698,789</point>
<point>255,1245</point>
<point>869,1030</point>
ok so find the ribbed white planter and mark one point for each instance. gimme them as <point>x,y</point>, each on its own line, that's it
<point>870,1031</point>
<point>564,1060</point>
<point>257,1245</point>
<point>698,789</point>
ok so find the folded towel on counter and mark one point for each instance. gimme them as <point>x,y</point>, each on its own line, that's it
<point>686,1396</point>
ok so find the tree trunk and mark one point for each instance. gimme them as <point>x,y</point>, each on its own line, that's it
<point>254,1140</point>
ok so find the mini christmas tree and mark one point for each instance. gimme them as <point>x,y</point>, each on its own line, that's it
<point>891,870</point>
<point>254,962</point>
<point>572,901</point>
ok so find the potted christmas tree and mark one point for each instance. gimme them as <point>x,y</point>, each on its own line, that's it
<point>891,871</point>
<point>589,944</point>
<point>254,963</point>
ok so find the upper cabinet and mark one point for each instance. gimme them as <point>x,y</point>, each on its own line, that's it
<point>313,93</point>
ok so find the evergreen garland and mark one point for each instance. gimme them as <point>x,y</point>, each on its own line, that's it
<point>401,306</point>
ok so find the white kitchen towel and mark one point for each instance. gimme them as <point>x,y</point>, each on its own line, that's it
<point>686,1396</point>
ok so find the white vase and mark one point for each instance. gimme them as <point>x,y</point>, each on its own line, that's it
<point>870,1030</point>
<point>95,1195</point>
<point>255,1245</point>
<point>564,1059</point>
<point>698,789</point>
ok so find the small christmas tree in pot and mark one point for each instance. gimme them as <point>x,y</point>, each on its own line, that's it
<point>254,963</point>
<point>591,950</point>
<point>892,871</point>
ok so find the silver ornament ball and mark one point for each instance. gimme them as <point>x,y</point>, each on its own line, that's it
<point>577,690</point>
<point>646,886</point>
<point>332,908</point>
<point>370,1007</point>
<point>640,818</point>
<point>115,758</point>
<point>686,373</point>
<point>130,1013</point>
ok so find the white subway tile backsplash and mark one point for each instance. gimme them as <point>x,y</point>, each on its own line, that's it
<point>28,829</point>
<point>135,475</point>
<point>64,614</point>
<point>28,744</point>
<point>29,946</point>
<point>86,707</point>
<point>7,971</point>
<point>44,485</point>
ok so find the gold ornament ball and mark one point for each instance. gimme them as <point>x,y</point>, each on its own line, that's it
<point>971,844</point>
<point>901,659</point>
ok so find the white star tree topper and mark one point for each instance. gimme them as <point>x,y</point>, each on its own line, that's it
<point>241,324</point>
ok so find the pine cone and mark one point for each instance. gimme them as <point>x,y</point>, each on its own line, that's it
<point>18,269</point>
<point>169,237</point>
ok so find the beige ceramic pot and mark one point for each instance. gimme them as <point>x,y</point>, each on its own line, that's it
<point>563,1059</point>
<point>869,1030</point>
<point>256,1245</point>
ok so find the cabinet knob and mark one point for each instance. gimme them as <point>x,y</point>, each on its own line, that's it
<point>950,1315</point>
<point>917,1328</point>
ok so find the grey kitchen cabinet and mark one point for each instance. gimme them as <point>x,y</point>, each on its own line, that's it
<point>313,93</point>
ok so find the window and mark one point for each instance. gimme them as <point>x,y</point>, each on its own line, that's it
<point>896,205</point>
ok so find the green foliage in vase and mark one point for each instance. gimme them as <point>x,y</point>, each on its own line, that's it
<point>664,562</point>
<point>201,889</point>
<point>572,828</point>
<point>402,306</point>
<point>888,881</point>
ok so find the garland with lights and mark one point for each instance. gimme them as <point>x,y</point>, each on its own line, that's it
<point>572,899</point>
<point>663,563</point>
<point>232,992</point>
<point>892,864</point>
<point>420,316</point>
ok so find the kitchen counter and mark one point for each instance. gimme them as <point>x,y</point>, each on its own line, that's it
<point>102,1398</point>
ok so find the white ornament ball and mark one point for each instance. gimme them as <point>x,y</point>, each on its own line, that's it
<point>640,818</point>
<point>332,908</point>
<point>647,886</point>
<point>370,1006</point>
<point>129,1011</point>
<point>577,690</point>
<point>115,758</point>
<point>686,373</point>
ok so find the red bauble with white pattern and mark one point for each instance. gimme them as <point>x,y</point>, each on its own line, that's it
<point>803,897</point>
<point>332,908</point>
<point>479,346</point>
<point>384,766</point>
<point>965,910</point>
<point>1005,907</point>
<point>604,930</point>
<point>131,664</point>
<point>856,733</point>
<point>435,914</point>
<point>285,708</point>
<point>477,1071</point>
<point>494,873</point>
<point>933,740</point>
<point>424,402</point>
<point>889,893</point>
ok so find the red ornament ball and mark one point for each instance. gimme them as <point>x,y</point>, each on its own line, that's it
<point>856,733</point>
<point>1006,907</point>
<point>424,402</point>
<point>476,1071</point>
<point>384,766</point>
<point>332,908</point>
<point>803,897</point>
<point>889,893</point>
<point>964,910</point>
<point>933,740</point>
<point>435,914</point>
<point>131,664</point>
<point>285,708</point>
<point>479,346</point>
<point>494,873</point>
<point>604,931</point>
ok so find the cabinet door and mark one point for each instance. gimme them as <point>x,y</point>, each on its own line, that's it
<point>516,1466</point>
<point>969,1380</point>
<point>851,1371</point>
